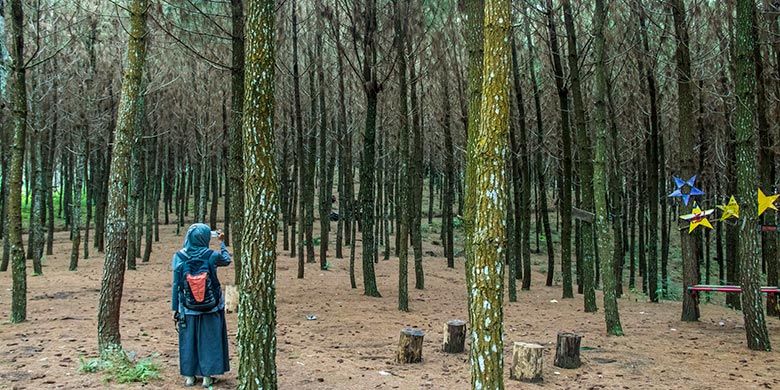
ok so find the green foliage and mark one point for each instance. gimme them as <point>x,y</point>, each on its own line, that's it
<point>91,366</point>
<point>119,369</point>
<point>59,223</point>
<point>457,222</point>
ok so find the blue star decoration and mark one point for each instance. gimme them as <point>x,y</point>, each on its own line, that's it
<point>685,189</point>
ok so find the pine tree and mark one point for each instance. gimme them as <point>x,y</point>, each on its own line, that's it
<point>749,249</point>
<point>601,167</point>
<point>566,166</point>
<point>584,162</point>
<point>109,339</point>
<point>235,169</point>
<point>18,91</point>
<point>371,88</point>
<point>487,189</point>
<point>685,115</point>
<point>403,182</point>
<point>257,294</point>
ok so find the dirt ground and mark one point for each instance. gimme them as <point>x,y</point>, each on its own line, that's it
<point>352,342</point>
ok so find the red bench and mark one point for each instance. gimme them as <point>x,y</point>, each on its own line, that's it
<point>693,290</point>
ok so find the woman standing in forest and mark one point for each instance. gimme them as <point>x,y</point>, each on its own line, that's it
<point>198,306</point>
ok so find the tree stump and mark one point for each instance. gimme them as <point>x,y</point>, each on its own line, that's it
<point>454,336</point>
<point>410,346</point>
<point>526,362</point>
<point>231,299</point>
<point>567,351</point>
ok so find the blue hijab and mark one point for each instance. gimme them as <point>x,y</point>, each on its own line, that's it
<point>196,242</point>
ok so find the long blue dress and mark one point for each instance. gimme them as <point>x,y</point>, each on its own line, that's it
<point>203,343</point>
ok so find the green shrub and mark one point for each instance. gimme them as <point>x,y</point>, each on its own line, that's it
<point>120,369</point>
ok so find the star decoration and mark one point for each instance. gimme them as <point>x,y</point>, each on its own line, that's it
<point>684,189</point>
<point>729,210</point>
<point>766,202</point>
<point>697,217</point>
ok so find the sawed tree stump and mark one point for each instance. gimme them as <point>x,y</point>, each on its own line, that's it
<point>231,299</point>
<point>410,346</point>
<point>526,362</point>
<point>567,351</point>
<point>454,336</point>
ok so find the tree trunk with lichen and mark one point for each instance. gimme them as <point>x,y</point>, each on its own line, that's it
<point>487,192</point>
<point>257,294</point>
<point>746,146</point>
<point>235,184</point>
<point>521,166</point>
<point>540,174</point>
<point>75,226</point>
<point>474,10</point>
<point>109,339</point>
<point>18,92</point>
<point>403,180</point>
<point>416,170</point>
<point>367,199</point>
<point>566,173</point>
<point>686,116</point>
<point>584,163</point>
<point>601,167</point>
<point>325,179</point>
<point>653,162</point>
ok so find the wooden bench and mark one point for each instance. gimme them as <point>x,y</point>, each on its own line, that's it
<point>694,290</point>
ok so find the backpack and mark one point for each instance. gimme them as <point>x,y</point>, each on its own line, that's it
<point>198,284</point>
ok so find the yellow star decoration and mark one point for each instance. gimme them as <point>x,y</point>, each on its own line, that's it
<point>697,217</point>
<point>766,202</point>
<point>729,210</point>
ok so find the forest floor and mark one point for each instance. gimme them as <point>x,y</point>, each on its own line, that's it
<point>352,343</point>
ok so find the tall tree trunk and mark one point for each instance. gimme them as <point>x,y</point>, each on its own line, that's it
<point>565,189</point>
<point>449,165</point>
<point>257,294</point>
<point>686,115</point>
<point>766,168</point>
<point>652,140</point>
<point>745,82</point>
<point>151,178</point>
<point>773,265</point>
<point>522,170</point>
<point>371,89</point>
<point>310,160</point>
<point>474,36</point>
<point>487,189</point>
<point>584,161</point>
<point>601,168</point>
<point>49,167</point>
<point>214,187</point>
<point>89,177</point>
<point>343,229</point>
<point>325,188</point>
<point>540,174</point>
<point>299,153</point>
<point>416,171</point>
<point>404,193</point>
<point>109,339</point>
<point>78,188</point>
<point>35,237</point>
<point>18,94</point>
<point>235,152</point>
<point>136,182</point>
<point>284,180</point>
